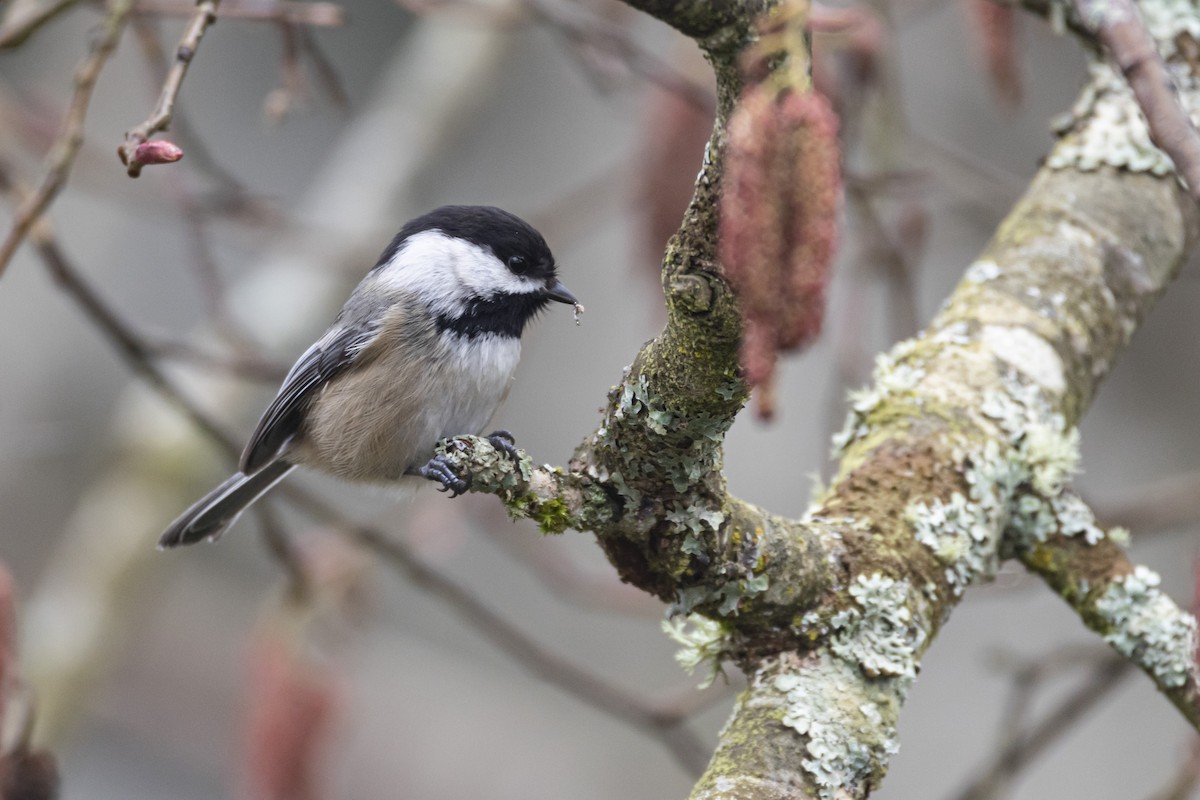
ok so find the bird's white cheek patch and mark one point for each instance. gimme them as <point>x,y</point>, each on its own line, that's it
<point>446,272</point>
<point>1028,353</point>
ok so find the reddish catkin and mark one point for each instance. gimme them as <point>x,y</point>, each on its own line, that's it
<point>8,642</point>
<point>25,774</point>
<point>288,720</point>
<point>996,27</point>
<point>779,220</point>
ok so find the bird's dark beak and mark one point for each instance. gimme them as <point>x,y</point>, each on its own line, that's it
<point>556,291</point>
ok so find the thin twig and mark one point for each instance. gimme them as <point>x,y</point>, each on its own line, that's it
<point>299,42</point>
<point>319,15</point>
<point>1164,504</point>
<point>615,41</point>
<point>198,154</point>
<point>284,551</point>
<point>132,349</point>
<point>664,724</point>
<point>331,82</point>
<point>1019,752</point>
<point>663,719</point>
<point>1027,679</point>
<point>66,147</point>
<point>194,221</point>
<point>249,367</point>
<point>1118,27</point>
<point>1183,782</point>
<point>23,19</point>
<point>687,700</point>
<point>280,100</point>
<point>883,251</point>
<point>160,118</point>
<point>195,208</point>
<point>590,31</point>
<point>557,571</point>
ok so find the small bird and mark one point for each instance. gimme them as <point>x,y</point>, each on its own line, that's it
<point>424,349</point>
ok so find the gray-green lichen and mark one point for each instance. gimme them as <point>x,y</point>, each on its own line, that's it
<point>844,700</point>
<point>1016,481</point>
<point>492,470</point>
<point>702,641</point>
<point>1166,20</point>
<point>727,594</point>
<point>636,400</point>
<point>890,378</point>
<point>849,732</point>
<point>962,536</point>
<point>636,403</point>
<point>1041,457</point>
<point>730,582</point>
<point>1147,627</point>
<point>879,636</point>
<point>1105,126</point>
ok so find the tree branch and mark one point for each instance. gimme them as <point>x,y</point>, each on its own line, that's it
<point>66,146</point>
<point>1104,677</point>
<point>23,18</point>
<point>204,15</point>
<point>663,724</point>
<point>316,14</point>
<point>1123,603</point>
<point>956,458</point>
<point>1117,25</point>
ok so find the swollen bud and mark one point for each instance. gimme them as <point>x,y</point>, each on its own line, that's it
<point>155,151</point>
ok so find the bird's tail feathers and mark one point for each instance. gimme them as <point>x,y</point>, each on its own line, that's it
<point>209,517</point>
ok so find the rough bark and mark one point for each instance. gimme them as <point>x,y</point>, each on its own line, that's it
<point>959,456</point>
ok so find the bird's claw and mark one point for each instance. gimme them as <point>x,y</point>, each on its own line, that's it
<point>506,443</point>
<point>439,469</point>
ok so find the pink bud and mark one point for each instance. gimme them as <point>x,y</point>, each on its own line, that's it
<point>157,151</point>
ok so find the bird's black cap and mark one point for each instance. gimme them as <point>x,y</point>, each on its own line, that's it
<point>505,234</point>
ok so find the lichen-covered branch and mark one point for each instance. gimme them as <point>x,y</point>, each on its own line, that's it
<point>715,26</point>
<point>959,456</point>
<point>649,478</point>
<point>1122,603</point>
<point>1118,26</point>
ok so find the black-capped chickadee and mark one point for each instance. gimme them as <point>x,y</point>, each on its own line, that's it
<point>424,349</point>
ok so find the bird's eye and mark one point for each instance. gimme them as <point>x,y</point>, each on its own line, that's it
<point>518,265</point>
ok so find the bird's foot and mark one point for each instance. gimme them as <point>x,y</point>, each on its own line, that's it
<point>439,469</point>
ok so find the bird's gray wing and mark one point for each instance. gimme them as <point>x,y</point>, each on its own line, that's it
<point>332,354</point>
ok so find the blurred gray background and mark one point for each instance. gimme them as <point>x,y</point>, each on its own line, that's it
<point>428,709</point>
